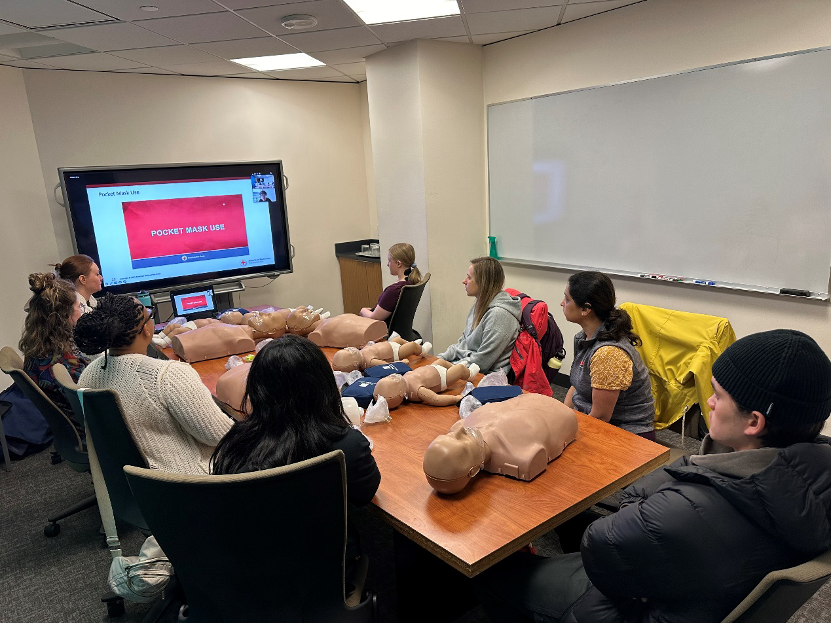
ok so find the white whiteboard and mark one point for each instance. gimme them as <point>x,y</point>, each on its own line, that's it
<point>721,173</point>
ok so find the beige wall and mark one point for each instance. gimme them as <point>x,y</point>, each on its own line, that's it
<point>368,159</point>
<point>26,240</point>
<point>98,119</point>
<point>648,39</point>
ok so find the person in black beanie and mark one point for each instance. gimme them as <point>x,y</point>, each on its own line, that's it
<point>692,539</point>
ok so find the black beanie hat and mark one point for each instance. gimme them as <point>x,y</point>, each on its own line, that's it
<point>781,373</point>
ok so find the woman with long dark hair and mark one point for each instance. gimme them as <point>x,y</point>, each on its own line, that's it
<point>493,322</point>
<point>294,412</point>
<point>401,261</point>
<point>609,380</point>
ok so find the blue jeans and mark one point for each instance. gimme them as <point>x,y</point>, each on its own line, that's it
<point>531,588</point>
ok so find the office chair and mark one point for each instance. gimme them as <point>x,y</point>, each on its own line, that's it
<point>401,320</point>
<point>65,438</point>
<point>263,546</point>
<point>782,592</point>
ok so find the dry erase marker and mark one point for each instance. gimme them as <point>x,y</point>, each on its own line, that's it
<point>704,282</point>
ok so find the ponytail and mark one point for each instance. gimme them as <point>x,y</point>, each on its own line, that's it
<point>404,253</point>
<point>619,325</point>
<point>595,290</point>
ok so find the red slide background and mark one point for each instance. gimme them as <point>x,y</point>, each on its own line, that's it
<point>142,217</point>
<point>189,303</point>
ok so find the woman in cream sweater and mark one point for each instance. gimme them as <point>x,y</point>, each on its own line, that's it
<point>169,411</point>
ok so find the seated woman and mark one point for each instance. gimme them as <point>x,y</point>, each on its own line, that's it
<point>609,380</point>
<point>401,260</point>
<point>168,409</point>
<point>295,414</point>
<point>52,312</point>
<point>493,322</point>
<point>84,274</point>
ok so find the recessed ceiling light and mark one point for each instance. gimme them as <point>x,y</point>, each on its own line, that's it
<point>383,11</point>
<point>279,62</point>
<point>149,8</point>
<point>298,22</point>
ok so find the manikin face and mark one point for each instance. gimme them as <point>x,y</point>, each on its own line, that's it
<point>393,388</point>
<point>393,265</point>
<point>571,311</point>
<point>472,289</point>
<point>728,423</point>
<point>452,460</point>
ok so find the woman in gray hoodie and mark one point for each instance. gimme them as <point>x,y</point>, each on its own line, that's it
<point>493,322</point>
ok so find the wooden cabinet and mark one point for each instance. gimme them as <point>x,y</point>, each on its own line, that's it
<point>360,283</point>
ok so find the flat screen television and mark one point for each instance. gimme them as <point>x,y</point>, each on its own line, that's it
<point>157,227</point>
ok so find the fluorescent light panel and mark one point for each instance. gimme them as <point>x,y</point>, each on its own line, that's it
<point>279,62</point>
<point>384,11</point>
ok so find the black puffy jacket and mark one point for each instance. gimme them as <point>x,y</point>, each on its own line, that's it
<point>692,540</point>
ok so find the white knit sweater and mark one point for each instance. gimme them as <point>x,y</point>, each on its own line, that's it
<point>169,411</point>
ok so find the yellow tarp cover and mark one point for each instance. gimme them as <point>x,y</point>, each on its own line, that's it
<point>679,349</point>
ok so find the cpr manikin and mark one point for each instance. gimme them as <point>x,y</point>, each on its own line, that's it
<point>164,337</point>
<point>213,341</point>
<point>517,438</point>
<point>393,349</point>
<point>423,384</point>
<point>348,330</point>
<point>302,321</point>
<point>232,385</point>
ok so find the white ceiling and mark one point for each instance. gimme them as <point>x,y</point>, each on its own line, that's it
<point>198,37</point>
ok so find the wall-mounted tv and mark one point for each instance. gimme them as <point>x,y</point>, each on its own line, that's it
<point>155,227</point>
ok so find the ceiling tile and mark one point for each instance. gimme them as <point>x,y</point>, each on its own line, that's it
<point>351,69</point>
<point>253,75</point>
<point>106,37</point>
<point>214,68</point>
<point>47,13</point>
<point>130,11</point>
<point>203,28</point>
<point>482,6</point>
<point>169,55</point>
<point>420,29</point>
<point>342,79</point>
<point>23,64</point>
<point>330,14</point>
<point>147,70</point>
<point>92,62</point>
<point>510,21</point>
<point>463,39</point>
<point>7,29</point>
<point>348,55</point>
<point>494,37</point>
<point>310,73</point>
<point>247,48</point>
<point>585,9</point>
<point>247,4</point>
<point>332,39</point>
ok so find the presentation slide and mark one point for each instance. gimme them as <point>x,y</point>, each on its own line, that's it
<point>193,303</point>
<point>157,230</point>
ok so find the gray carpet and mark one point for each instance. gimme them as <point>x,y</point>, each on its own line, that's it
<point>62,579</point>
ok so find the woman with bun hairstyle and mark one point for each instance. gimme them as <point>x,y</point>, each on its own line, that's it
<point>84,274</point>
<point>168,409</point>
<point>609,380</point>
<point>51,313</point>
<point>401,261</point>
<point>493,322</point>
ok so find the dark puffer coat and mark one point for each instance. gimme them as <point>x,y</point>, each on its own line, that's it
<point>692,540</point>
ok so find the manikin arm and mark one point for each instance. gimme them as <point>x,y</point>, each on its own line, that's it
<point>438,400</point>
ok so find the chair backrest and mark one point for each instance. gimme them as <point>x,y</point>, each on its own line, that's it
<point>401,320</point>
<point>782,592</point>
<point>114,444</point>
<point>254,547</point>
<point>65,437</point>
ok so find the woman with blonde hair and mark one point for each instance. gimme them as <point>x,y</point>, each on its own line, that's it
<point>52,312</point>
<point>493,322</point>
<point>401,260</point>
<point>83,273</point>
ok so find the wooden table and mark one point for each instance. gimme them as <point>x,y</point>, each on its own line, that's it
<point>495,515</point>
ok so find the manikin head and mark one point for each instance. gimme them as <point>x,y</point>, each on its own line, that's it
<point>347,360</point>
<point>393,388</point>
<point>453,459</point>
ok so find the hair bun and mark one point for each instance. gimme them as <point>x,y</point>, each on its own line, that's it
<point>39,281</point>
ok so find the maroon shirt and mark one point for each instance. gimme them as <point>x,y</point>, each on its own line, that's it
<point>390,296</point>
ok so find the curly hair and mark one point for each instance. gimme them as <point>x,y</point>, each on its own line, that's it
<point>113,323</point>
<point>47,329</point>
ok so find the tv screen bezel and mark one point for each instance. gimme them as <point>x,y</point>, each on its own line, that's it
<point>197,279</point>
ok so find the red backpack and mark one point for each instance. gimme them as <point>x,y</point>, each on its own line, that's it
<point>539,341</point>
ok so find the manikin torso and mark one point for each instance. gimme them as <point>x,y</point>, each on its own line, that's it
<point>213,341</point>
<point>348,330</point>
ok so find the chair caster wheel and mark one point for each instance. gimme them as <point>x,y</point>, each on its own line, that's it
<point>52,529</point>
<point>115,605</point>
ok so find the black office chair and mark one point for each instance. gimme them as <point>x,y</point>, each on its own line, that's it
<point>401,320</point>
<point>67,442</point>
<point>262,546</point>
<point>782,592</point>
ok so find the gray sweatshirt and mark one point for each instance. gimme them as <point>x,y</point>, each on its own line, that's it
<point>489,345</point>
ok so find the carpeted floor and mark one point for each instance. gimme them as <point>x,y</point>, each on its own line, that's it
<point>62,579</point>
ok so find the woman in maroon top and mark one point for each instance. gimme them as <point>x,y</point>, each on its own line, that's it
<point>401,260</point>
